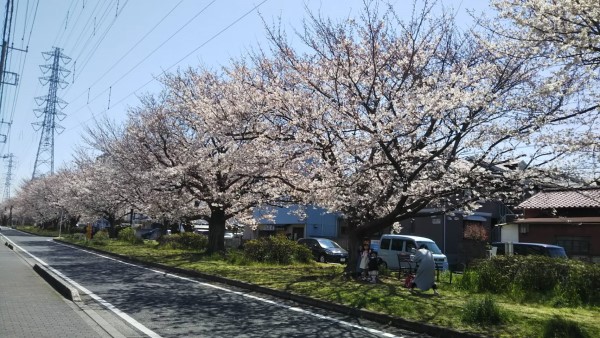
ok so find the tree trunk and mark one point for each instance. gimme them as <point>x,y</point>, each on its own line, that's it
<point>353,249</point>
<point>216,230</point>
<point>112,230</point>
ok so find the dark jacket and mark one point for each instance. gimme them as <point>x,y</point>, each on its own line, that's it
<point>373,264</point>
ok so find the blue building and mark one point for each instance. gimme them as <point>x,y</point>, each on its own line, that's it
<point>297,221</point>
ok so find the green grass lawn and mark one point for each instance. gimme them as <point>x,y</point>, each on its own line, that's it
<point>326,282</point>
<point>39,231</point>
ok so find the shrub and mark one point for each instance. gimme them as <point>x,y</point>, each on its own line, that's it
<point>581,283</point>
<point>540,274</point>
<point>128,235</point>
<point>468,281</point>
<point>277,249</point>
<point>100,238</point>
<point>79,237</point>
<point>302,253</point>
<point>186,240</point>
<point>564,282</point>
<point>482,311</point>
<point>558,327</point>
<point>237,257</point>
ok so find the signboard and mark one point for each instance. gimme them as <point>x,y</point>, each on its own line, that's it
<point>267,227</point>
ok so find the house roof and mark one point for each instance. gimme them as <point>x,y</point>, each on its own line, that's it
<point>576,198</point>
<point>560,220</point>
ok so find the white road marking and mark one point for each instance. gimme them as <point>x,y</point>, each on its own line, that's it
<point>264,300</point>
<point>106,304</point>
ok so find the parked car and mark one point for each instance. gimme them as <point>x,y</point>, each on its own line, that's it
<point>325,250</point>
<point>526,249</point>
<point>390,246</point>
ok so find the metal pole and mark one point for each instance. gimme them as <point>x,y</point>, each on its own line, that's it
<point>60,224</point>
<point>444,215</point>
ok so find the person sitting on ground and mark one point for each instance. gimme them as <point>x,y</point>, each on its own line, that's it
<point>425,277</point>
<point>373,267</point>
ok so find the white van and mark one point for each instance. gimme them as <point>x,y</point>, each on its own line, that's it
<point>392,245</point>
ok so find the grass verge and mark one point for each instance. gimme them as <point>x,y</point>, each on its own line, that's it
<point>326,282</point>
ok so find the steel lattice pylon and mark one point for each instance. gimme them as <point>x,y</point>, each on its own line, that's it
<point>51,111</point>
<point>8,180</point>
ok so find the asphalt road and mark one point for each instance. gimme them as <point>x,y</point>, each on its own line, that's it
<point>145,302</point>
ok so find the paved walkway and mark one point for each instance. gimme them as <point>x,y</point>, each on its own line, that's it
<point>30,307</point>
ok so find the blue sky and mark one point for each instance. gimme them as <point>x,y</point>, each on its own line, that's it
<point>117,48</point>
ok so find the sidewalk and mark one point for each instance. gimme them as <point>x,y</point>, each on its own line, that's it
<point>29,307</point>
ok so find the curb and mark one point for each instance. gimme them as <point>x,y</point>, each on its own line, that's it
<point>432,330</point>
<point>57,283</point>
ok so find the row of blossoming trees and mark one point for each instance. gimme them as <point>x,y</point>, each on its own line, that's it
<point>375,117</point>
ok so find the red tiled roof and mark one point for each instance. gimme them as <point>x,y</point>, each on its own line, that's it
<point>583,198</point>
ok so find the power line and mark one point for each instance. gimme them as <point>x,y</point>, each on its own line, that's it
<point>127,53</point>
<point>152,52</point>
<point>173,65</point>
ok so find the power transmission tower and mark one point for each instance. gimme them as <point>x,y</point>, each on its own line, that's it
<point>7,181</point>
<point>51,111</point>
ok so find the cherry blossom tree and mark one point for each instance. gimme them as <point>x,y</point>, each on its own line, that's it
<point>567,34</point>
<point>568,30</point>
<point>202,141</point>
<point>44,201</point>
<point>94,191</point>
<point>31,202</point>
<point>147,189</point>
<point>395,115</point>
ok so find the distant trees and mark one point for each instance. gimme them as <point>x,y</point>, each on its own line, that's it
<point>94,191</point>
<point>45,201</point>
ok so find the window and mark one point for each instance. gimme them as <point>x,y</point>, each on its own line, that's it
<point>385,244</point>
<point>397,244</point>
<point>525,250</point>
<point>523,228</point>
<point>574,245</point>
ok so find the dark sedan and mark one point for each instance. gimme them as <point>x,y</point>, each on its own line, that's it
<point>325,250</point>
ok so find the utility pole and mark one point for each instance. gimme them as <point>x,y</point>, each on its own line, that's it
<point>51,111</point>
<point>6,77</point>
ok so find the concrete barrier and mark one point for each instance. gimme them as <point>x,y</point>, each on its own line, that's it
<point>57,283</point>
